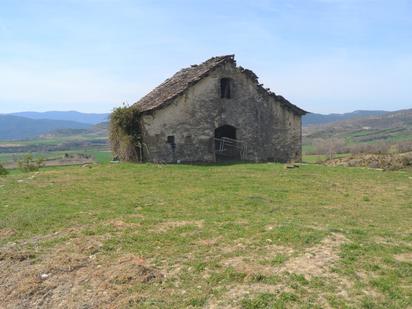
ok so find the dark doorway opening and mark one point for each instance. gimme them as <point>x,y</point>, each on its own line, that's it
<point>227,148</point>
<point>226,131</point>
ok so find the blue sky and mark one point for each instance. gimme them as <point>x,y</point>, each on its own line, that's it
<point>91,55</point>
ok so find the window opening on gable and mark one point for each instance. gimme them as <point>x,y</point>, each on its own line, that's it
<point>225,91</point>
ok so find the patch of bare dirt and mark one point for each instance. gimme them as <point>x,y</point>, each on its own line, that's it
<point>250,265</point>
<point>15,255</point>
<point>6,232</point>
<point>404,257</point>
<point>273,250</point>
<point>210,242</point>
<point>391,241</point>
<point>231,298</point>
<point>72,275</point>
<point>120,224</point>
<point>240,245</point>
<point>316,260</point>
<point>170,225</point>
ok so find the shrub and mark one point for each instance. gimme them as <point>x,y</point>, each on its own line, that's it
<point>124,133</point>
<point>3,171</point>
<point>30,164</point>
<point>404,146</point>
<point>375,148</point>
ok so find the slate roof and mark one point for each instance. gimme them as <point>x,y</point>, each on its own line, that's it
<point>185,78</point>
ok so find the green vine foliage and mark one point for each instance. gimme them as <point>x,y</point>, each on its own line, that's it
<point>124,133</point>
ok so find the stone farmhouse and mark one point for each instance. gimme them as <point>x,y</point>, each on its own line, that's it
<point>218,111</point>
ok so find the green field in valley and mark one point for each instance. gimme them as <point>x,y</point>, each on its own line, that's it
<point>178,236</point>
<point>58,149</point>
<point>99,155</point>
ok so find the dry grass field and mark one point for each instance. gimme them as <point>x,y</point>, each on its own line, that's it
<point>213,236</point>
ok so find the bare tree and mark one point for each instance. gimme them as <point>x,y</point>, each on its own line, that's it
<point>329,147</point>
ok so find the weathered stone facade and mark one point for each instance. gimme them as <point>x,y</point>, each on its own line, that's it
<point>266,127</point>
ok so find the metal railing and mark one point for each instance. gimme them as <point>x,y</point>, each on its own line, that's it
<point>231,148</point>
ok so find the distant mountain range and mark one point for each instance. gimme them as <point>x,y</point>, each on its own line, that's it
<point>90,118</point>
<point>317,119</point>
<point>28,125</point>
<point>16,128</point>
<point>94,118</point>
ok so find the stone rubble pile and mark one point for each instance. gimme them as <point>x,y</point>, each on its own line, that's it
<point>378,161</point>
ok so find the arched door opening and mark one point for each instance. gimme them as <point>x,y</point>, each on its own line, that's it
<point>227,148</point>
<point>226,131</point>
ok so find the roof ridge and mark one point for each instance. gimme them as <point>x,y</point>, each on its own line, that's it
<point>174,86</point>
<point>179,82</point>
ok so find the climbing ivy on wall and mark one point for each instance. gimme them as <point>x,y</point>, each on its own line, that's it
<point>124,133</point>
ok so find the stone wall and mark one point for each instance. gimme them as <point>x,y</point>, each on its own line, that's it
<point>270,131</point>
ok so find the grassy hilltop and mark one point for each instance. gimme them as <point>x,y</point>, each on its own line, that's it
<point>177,236</point>
<point>388,127</point>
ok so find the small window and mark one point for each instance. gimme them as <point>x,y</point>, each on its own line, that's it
<point>188,139</point>
<point>225,84</point>
<point>170,139</point>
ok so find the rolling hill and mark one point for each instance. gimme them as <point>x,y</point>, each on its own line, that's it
<point>95,118</point>
<point>318,119</point>
<point>90,118</point>
<point>392,126</point>
<point>17,128</point>
<point>357,126</point>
